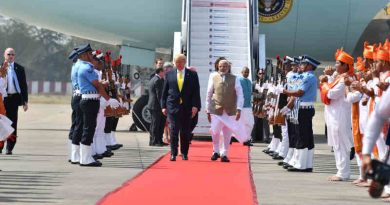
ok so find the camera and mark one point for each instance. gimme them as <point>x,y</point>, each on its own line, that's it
<point>380,177</point>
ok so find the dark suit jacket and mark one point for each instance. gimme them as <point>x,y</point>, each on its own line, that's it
<point>155,92</point>
<point>190,93</point>
<point>21,75</point>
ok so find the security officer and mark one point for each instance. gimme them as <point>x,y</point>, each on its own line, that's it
<point>91,90</point>
<point>76,127</point>
<point>307,93</point>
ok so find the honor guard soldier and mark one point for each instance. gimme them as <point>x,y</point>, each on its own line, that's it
<point>307,93</point>
<point>76,126</point>
<point>91,90</point>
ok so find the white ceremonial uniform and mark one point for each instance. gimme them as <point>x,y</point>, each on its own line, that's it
<point>224,122</point>
<point>339,129</point>
<point>283,146</point>
<point>274,144</point>
<point>99,141</point>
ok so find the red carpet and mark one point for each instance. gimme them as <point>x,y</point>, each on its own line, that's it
<point>198,181</point>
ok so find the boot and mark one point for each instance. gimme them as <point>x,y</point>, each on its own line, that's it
<point>86,158</point>
<point>69,150</point>
<point>75,156</point>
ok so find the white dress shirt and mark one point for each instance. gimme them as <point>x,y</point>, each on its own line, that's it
<point>11,84</point>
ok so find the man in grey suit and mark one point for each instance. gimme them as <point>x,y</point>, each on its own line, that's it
<point>157,118</point>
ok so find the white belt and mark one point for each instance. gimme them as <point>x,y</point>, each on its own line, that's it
<point>90,96</point>
<point>306,104</point>
<point>76,93</point>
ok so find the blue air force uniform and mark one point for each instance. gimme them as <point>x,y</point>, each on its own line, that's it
<point>304,146</point>
<point>83,75</point>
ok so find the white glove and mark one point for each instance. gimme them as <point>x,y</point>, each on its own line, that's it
<point>285,110</point>
<point>113,103</point>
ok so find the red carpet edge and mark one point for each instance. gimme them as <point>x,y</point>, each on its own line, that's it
<point>132,179</point>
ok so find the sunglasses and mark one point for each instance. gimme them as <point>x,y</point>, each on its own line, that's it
<point>10,54</point>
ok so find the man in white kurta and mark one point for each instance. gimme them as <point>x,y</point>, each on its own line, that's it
<point>339,129</point>
<point>224,103</point>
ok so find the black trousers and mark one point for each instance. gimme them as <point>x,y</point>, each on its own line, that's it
<point>293,132</point>
<point>111,124</point>
<point>90,110</point>
<point>305,138</point>
<point>257,131</point>
<point>266,129</point>
<point>11,104</point>
<point>277,131</point>
<point>180,123</point>
<point>156,128</point>
<point>77,121</point>
<point>75,104</point>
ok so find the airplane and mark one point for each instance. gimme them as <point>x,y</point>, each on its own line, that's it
<point>140,27</point>
<point>314,27</point>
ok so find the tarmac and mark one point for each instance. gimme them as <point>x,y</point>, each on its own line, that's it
<point>39,173</point>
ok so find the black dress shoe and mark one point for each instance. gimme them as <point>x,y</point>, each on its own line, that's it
<point>269,152</point>
<point>225,159</point>
<point>277,157</point>
<point>8,152</point>
<point>248,143</point>
<point>281,163</point>
<point>97,156</point>
<point>74,162</point>
<point>115,147</point>
<point>93,164</point>
<point>293,169</point>
<point>266,150</point>
<point>272,153</point>
<point>173,158</point>
<point>352,154</point>
<point>215,156</point>
<point>286,166</point>
<point>184,157</point>
<point>107,153</point>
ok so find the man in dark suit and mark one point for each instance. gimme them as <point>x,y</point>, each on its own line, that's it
<point>157,118</point>
<point>17,94</point>
<point>180,102</point>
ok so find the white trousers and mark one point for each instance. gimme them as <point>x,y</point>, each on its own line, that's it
<point>247,120</point>
<point>228,125</point>
<point>359,163</point>
<point>382,147</point>
<point>302,158</point>
<point>284,145</point>
<point>342,161</point>
<point>274,144</point>
<point>99,141</point>
<point>289,156</point>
